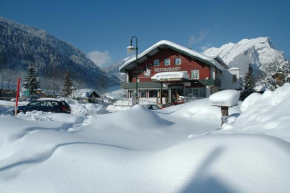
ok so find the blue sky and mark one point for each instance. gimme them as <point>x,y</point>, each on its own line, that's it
<point>105,27</point>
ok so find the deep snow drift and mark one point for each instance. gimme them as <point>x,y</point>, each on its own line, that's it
<point>266,113</point>
<point>177,149</point>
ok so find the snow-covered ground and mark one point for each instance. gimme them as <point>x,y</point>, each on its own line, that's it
<point>182,148</point>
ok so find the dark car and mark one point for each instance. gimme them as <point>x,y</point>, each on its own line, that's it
<point>46,105</point>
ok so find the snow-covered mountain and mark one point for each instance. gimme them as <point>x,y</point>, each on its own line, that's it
<point>258,51</point>
<point>22,45</point>
<point>113,70</point>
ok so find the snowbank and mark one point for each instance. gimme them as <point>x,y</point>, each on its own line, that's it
<point>74,162</point>
<point>178,149</point>
<point>266,114</point>
<point>88,109</point>
<point>250,100</point>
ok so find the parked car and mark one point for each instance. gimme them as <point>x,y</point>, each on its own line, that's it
<point>152,106</point>
<point>46,105</point>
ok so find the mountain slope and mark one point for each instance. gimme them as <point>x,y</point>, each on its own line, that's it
<point>113,70</point>
<point>22,45</point>
<point>258,51</point>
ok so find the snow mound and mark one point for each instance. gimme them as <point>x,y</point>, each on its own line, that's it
<point>225,98</point>
<point>88,109</point>
<point>44,116</point>
<point>200,110</point>
<point>250,100</point>
<point>204,164</point>
<point>136,116</point>
<point>4,110</point>
<point>267,113</point>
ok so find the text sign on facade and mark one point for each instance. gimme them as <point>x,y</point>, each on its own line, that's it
<point>167,69</point>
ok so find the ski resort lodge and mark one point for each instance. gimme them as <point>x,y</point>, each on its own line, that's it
<point>169,71</point>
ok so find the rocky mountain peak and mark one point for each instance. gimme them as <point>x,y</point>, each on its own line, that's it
<point>258,52</point>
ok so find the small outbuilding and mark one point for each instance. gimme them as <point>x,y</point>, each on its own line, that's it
<point>88,95</point>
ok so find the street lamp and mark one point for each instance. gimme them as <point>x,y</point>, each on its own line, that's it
<point>131,49</point>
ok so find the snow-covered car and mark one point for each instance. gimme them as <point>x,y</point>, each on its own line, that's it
<point>46,105</point>
<point>152,106</point>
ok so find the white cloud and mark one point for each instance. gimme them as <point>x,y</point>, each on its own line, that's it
<point>101,59</point>
<point>195,39</point>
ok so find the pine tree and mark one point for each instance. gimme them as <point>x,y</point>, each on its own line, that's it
<point>31,80</point>
<point>249,83</point>
<point>102,84</point>
<point>67,85</point>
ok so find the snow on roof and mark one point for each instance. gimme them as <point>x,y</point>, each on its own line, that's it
<point>226,98</point>
<point>187,51</point>
<point>234,68</point>
<point>45,99</point>
<point>110,97</point>
<point>171,75</point>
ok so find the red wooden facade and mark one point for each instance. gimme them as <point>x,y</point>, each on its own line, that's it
<point>187,64</point>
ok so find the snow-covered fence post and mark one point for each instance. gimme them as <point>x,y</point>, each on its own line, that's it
<point>225,113</point>
<point>225,99</point>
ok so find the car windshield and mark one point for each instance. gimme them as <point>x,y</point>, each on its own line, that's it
<point>152,107</point>
<point>34,103</point>
<point>64,103</point>
<point>155,107</point>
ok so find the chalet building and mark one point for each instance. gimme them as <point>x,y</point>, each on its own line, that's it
<point>169,71</point>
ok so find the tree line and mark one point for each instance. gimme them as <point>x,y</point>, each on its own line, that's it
<point>32,83</point>
<point>275,75</point>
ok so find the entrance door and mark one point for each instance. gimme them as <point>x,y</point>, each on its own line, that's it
<point>174,91</point>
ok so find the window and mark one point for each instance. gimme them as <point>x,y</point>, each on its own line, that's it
<point>195,92</point>
<point>54,103</point>
<point>166,62</point>
<point>49,104</point>
<point>132,93</point>
<point>156,62</point>
<point>43,103</point>
<point>177,61</point>
<point>153,93</point>
<point>143,93</point>
<point>153,107</point>
<point>234,78</point>
<point>35,103</point>
<point>195,74</point>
